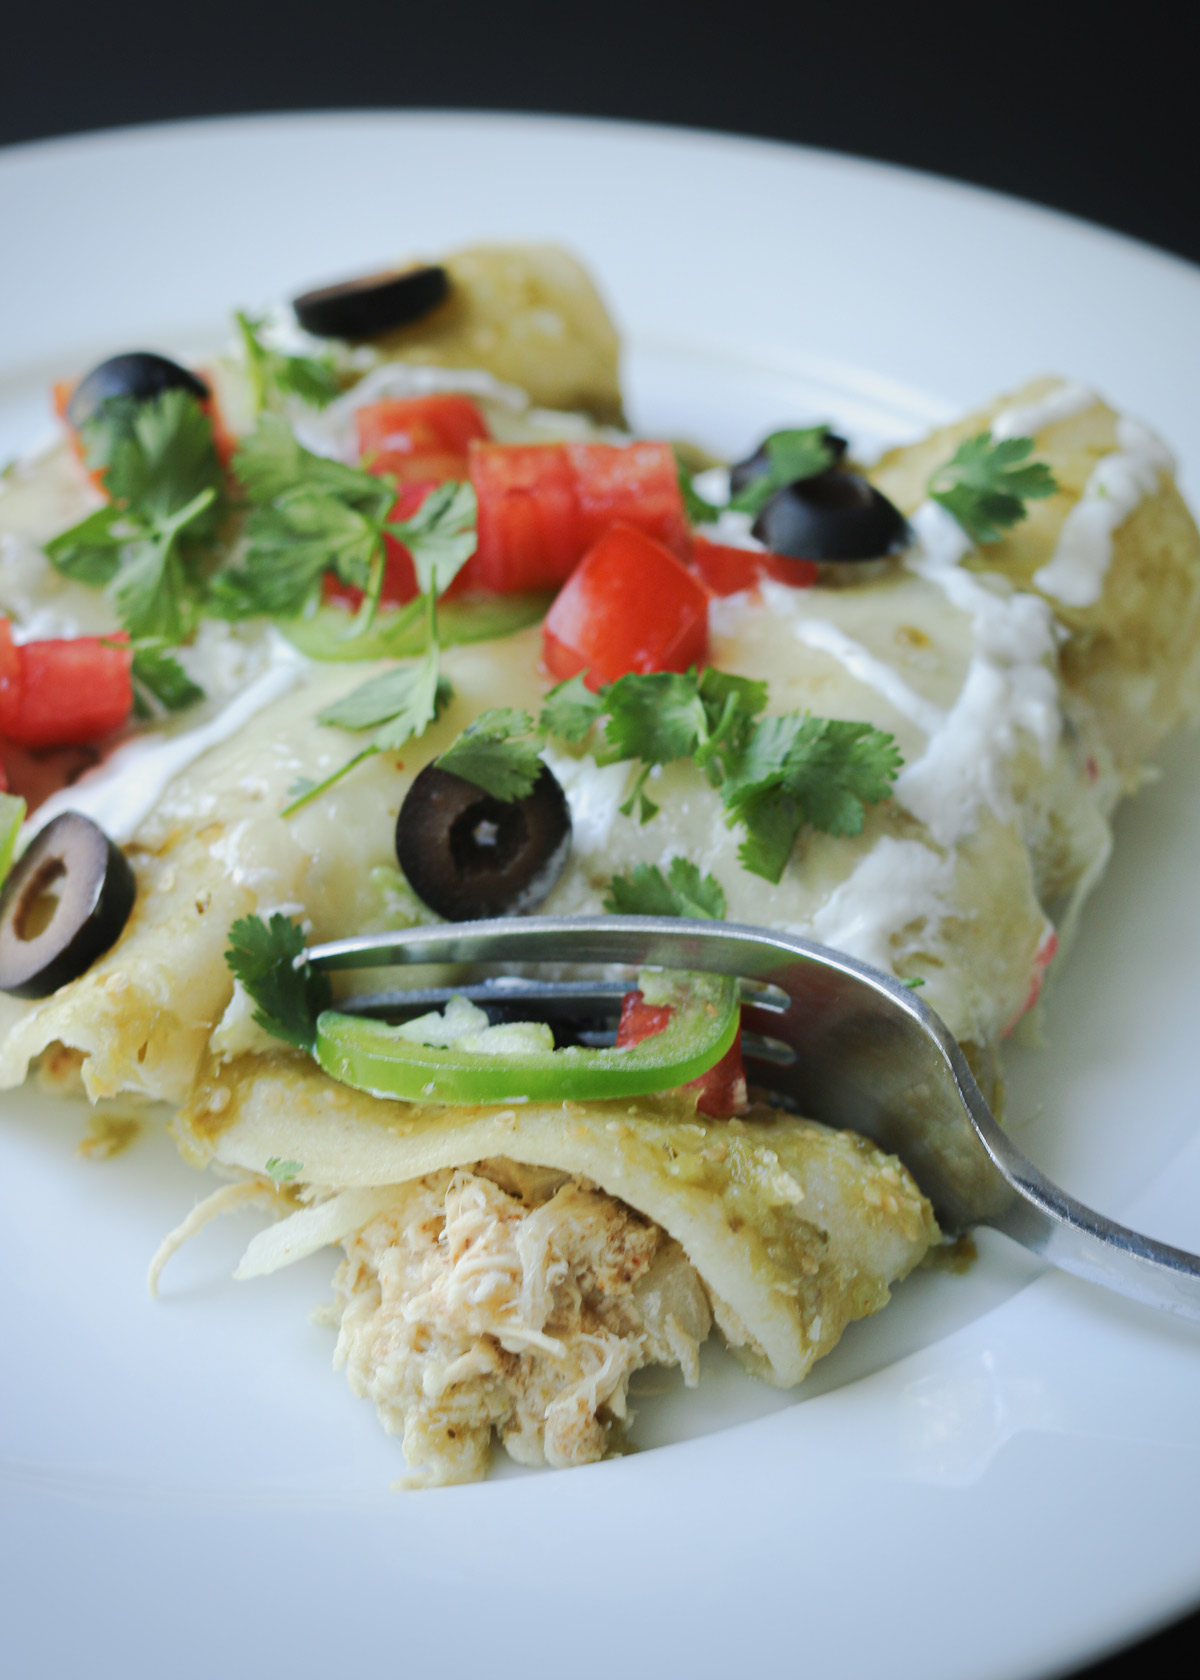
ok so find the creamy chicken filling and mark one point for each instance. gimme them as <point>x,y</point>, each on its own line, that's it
<point>512,1300</point>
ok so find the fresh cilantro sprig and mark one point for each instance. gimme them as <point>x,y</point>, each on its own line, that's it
<point>800,452</point>
<point>151,546</point>
<point>274,375</point>
<point>682,891</point>
<point>288,994</point>
<point>160,683</point>
<point>985,484</point>
<point>775,775</point>
<point>397,705</point>
<point>495,753</point>
<point>310,515</point>
<point>282,1172</point>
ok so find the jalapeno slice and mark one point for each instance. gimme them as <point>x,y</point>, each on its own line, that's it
<point>373,1056</point>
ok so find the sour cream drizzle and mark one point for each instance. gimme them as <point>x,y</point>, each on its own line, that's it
<point>865,668</point>
<point>1010,687</point>
<point>1027,419</point>
<point>122,792</point>
<point>1077,569</point>
<point>898,883</point>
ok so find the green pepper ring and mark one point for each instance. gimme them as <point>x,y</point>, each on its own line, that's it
<point>371,1056</point>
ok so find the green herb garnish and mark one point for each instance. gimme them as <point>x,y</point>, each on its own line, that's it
<point>288,994</point>
<point>274,375</point>
<point>682,891</point>
<point>282,1172</point>
<point>775,775</point>
<point>311,515</point>
<point>151,547</point>
<point>985,484</point>
<point>495,753</point>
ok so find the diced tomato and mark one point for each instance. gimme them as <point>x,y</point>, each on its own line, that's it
<point>721,1092</point>
<point>543,505</point>
<point>445,421</point>
<point>63,693</point>
<point>640,1019</point>
<point>728,571</point>
<point>529,535</point>
<point>636,484</point>
<point>628,606</point>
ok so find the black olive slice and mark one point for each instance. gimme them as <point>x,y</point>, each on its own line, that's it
<point>754,466</point>
<point>63,906</point>
<point>466,854</point>
<point>373,304</point>
<point>139,374</point>
<point>834,516</point>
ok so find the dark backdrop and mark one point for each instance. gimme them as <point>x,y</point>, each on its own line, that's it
<point>1060,103</point>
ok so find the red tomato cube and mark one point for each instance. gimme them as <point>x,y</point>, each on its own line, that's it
<point>443,421</point>
<point>727,570</point>
<point>529,535</point>
<point>63,693</point>
<point>628,606</point>
<point>636,484</point>
<point>721,1092</point>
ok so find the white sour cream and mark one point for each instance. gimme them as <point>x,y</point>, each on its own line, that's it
<point>1076,571</point>
<point>1010,688</point>
<point>1027,419</point>
<point>122,792</point>
<point>594,793</point>
<point>898,883</point>
<point>861,664</point>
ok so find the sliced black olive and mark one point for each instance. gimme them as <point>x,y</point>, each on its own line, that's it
<point>63,906</point>
<point>466,854</point>
<point>139,374</point>
<point>373,304</point>
<point>754,466</point>
<point>834,516</point>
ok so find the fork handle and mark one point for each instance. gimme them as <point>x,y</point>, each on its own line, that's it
<point>1076,1238</point>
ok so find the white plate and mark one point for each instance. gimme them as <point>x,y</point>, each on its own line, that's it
<point>996,1478</point>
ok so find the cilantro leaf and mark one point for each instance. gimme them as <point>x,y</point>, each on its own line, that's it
<point>272,461</point>
<point>274,375</point>
<point>288,998</point>
<point>802,769</point>
<point>282,1172</point>
<point>985,485</point>
<point>397,704</point>
<point>802,452</point>
<point>570,710</point>
<point>401,696</point>
<point>90,552</point>
<point>645,891</point>
<point>312,515</point>
<point>151,547</point>
<point>774,774</point>
<point>158,675</point>
<point>658,717</point>
<point>698,510</point>
<point>496,752</point>
<point>441,535</point>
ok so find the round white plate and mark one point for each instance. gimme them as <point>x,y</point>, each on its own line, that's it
<point>998,1476</point>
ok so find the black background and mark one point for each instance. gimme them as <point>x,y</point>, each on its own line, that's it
<point>1073,106</point>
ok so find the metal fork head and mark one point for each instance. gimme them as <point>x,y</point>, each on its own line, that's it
<point>869,1056</point>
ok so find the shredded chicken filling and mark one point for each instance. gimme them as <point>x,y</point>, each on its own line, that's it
<point>515,1300</point>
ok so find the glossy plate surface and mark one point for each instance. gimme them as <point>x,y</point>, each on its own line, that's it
<point>995,1478</point>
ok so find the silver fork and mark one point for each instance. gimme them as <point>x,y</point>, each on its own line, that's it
<point>840,1042</point>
